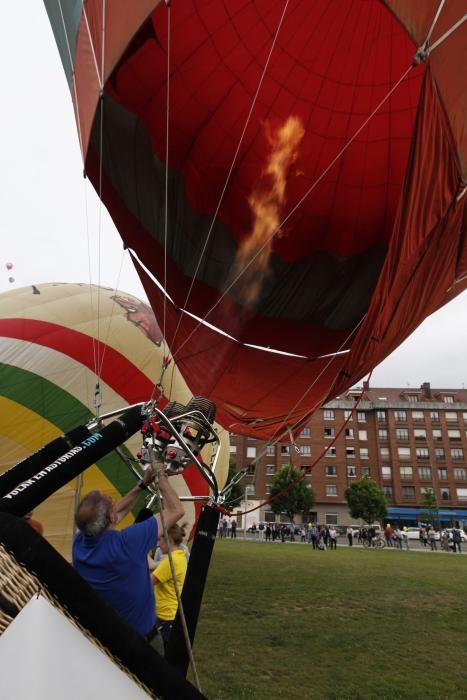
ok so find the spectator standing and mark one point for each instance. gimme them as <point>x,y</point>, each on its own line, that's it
<point>388,535</point>
<point>456,540</point>
<point>405,537</point>
<point>267,532</point>
<point>233,529</point>
<point>397,537</point>
<point>332,537</point>
<point>314,536</point>
<point>424,535</point>
<point>350,536</point>
<point>431,538</point>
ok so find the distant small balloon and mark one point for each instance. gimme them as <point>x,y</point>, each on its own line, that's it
<point>11,279</point>
<point>9,266</point>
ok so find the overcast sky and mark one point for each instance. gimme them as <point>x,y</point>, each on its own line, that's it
<point>49,213</point>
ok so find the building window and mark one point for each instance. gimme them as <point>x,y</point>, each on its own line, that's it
<point>454,435</point>
<point>425,490</point>
<point>406,473</point>
<point>306,433</point>
<point>328,414</point>
<point>443,474</point>
<point>464,416</point>
<point>408,492</point>
<point>445,494</point>
<point>351,472</point>
<point>457,453</point>
<point>285,450</point>
<point>460,474</point>
<point>306,468</point>
<point>349,433</point>
<point>437,436</point>
<point>251,470</point>
<point>418,417</point>
<point>362,435</point>
<point>268,489</point>
<point>461,494</point>
<point>331,451</point>
<point>251,452</point>
<point>233,449</point>
<point>412,398</point>
<point>419,434</point>
<point>329,433</point>
<point>384,452</point>
<point>381,416</point>
<point>331,518</point>
<point>451,417</point>
<point>424,473</point>
<point>400,416</point>
<point>331,470</point>
<point>361,416</point>
<point>270,469</point>
<point>365,471</point>
<point>448,398</point>
<point>402,434</point>
<point>305,450</point>
<point>331,490</point>
<point>350,452</point>
<point>348,415</point>
<point>363,452</point>
<point>386,472</point>
<point>434,416</point>
<point>271,450</point>
<point>383,435</point>
<point>387,490</point>
<point>403,452</point>
<point>422,452</point>
<point>439,453</point>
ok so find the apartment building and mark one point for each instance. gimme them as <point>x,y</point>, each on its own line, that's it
<point>408,440</point>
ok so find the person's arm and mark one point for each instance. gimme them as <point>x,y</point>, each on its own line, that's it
<point>173,508</point>
<point>123,507</point>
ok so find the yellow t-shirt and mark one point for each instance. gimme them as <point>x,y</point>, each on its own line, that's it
<point>166,598</point>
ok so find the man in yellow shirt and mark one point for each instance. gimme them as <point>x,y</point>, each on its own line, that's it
<point>166,597</point>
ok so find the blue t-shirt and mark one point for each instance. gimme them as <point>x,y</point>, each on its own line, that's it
<point>115,565</point>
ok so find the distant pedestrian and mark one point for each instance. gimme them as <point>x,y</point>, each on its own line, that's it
<point>456,539</point>
<point>432,538</point>
<point>350,536</point>
<point>267,532</point>
<point>424,535</point>
<point>233,529</point>
<point>405,537</point>
<point>388,535</point>
<point>332,538</point>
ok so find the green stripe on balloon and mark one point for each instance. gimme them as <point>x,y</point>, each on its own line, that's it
<point>63,410</point>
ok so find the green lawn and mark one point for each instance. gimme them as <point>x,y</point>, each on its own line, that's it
<point>284,621</point>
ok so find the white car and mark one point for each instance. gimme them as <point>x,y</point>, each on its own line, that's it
<point>413,533</point>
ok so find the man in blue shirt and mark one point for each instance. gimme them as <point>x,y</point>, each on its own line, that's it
<point>114,562</point>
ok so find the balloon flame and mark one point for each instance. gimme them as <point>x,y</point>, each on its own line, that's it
<point>266,202</point>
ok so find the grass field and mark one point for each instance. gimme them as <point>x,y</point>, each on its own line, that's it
<point>283,621</point>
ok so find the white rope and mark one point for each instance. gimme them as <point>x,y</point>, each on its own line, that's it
<point>166,222</point>
<point>294,209</point>
<point>447,34</point>
<point>93,50</point>
<point>234,160</point>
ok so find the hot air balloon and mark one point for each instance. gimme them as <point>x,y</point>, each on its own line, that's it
<point>54,337</point>
<point>313,160</point>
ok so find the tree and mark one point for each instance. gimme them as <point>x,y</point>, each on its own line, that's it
<point>236,492</point>
<point>429,512</point>
<point>366,500</point>
<point>300,498</point>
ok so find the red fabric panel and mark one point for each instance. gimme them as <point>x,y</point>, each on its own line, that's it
<point>218,53</point>
<point>123,19</point>
<point>427,240</point>
<point>447,61</point>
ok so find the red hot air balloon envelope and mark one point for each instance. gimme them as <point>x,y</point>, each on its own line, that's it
<point>302,143</point>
